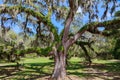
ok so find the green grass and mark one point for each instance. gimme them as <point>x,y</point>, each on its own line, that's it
<point>36,60</point>
<point>33,68</point>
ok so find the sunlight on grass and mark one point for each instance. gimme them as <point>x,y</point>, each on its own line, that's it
<point>31,68</point>
<point>76,59</point>
<point>36,60</point>
<point>102,61</point>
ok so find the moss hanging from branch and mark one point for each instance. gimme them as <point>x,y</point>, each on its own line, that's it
<point>109,25</point>
<point>44,19</point>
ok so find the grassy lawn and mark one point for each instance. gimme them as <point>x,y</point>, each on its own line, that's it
<point>37,68</point>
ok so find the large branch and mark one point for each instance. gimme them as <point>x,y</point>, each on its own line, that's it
<point>92,27</point>
<point>45,20</point>
<point>69,19</point>
<point>108,25</point>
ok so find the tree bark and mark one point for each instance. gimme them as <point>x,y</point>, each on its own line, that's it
<point>87,56</point>
<point>59,72</point>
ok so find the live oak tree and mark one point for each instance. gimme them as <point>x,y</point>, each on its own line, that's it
<point>63,10</point>
<point>115,36</point>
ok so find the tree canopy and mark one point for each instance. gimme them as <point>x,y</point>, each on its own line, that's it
<point>35,17</point>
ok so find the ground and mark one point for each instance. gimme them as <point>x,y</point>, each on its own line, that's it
<point>41,68</point>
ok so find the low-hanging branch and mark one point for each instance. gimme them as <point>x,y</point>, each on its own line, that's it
<point>108,25</point>
<point>44,19</point>
<point>92,27</point>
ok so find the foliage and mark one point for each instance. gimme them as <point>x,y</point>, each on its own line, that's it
<point>116,50</point>
<point>117,14</point>
<point>42,12</point>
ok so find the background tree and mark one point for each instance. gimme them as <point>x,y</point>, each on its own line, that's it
<point>116,50</point>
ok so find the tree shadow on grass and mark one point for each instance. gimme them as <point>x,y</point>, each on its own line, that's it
<point>109,67</point>
<point>29,71</point>
<point>76,68</point>
<point>106,71</point>
<point>33,71</point>
<point>112,70</point>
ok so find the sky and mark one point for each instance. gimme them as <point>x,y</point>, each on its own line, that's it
<point>85,18</point>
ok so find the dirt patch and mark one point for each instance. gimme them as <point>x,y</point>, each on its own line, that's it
<point>73,77</point>
<point>70,77</point>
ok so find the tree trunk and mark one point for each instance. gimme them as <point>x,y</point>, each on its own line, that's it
<point>87,56</point>
<point>59,72</point>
